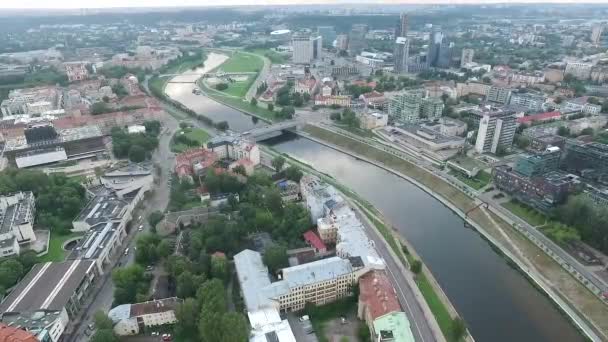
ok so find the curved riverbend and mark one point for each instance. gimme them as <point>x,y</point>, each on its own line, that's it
<point>496,301</point>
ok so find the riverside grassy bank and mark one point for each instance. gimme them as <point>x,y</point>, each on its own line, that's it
<point>499,232</point>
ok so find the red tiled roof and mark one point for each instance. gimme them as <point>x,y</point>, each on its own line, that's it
<point>372,94</point>
<point>314,240</point>
<point>378,294</point>
<point>12,334</point>
<point>539,117</point>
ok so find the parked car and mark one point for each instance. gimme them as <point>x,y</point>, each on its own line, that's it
<point>304,318</point>
<point>141,228</point>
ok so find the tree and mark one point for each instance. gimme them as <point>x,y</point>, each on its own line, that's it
<point>458,329</point>
<point>275,257</point>
<point>416,266</point>
<point>105,99</point>
<point>222,125</point>
<point>137,154</point>
<point>563,131</point>
<point>104,335</point>
<point>102,321</point>
<point>155,217</point>
<point>240,169</point>
<point>234,327</point>
<point>270,107</point>
<point>187,314</point>
<point>297,100</point>
<point>587,131</point>
<point>186,285</point>
<point>278,162</point>
<point>100,108</point>
<point>522,141</point>
<point>152,127</point>
<point>10,272</point>
<point>253,102</point>
<point>212,295</point>
<point>129,282</point>
<point>221,86</point>
<point>287,112</point>
<point>163,250</point>
<point>293,173</point>
<point>147,248</point>
<point>219,267</point>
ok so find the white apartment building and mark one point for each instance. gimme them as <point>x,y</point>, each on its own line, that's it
<point>476,88</point>
<point>76,71</point>
<point>128,318</point>
<point>31,101</point>
<point>528,78</point>
<point>373,120</point>
<point>495,129</point>
<point>498,94</point>
<point>306,48</point>
<point>466,57</point>
<point>17,212</point>
<point>579,70</point>
<point>529,100</point>
<point>235,147</point>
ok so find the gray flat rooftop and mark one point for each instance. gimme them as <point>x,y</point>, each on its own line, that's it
<point>104,207</point>
<point>47,286</point>
<point>92,243</point>
<point>65,135</point>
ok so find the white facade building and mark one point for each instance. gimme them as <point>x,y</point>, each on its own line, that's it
<point>128,318</point>
<point>579,70</point>
<point>17,212</point>
<point>496,129</point>
<point>306,48</point>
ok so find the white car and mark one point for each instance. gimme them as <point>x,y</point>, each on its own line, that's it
<point>141,228</point>
<point>304,318</point>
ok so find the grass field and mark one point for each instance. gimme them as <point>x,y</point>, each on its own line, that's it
<point>195,134</point>
<point>259,110</point>
<point>239,89</point>
<point>439,310</point>
<point>242,62</point>
<point>56,252</point>
<point>482,179</point>
<point>274,57</point>
<point>529,215</point>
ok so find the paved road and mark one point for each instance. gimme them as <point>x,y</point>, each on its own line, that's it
<point>409,303</point>
<point>157,200</point>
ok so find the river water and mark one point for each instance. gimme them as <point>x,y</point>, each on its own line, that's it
<point>496,301</point>
<point>180,89</point>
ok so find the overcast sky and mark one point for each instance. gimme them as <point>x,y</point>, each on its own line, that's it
<point>62,4</point>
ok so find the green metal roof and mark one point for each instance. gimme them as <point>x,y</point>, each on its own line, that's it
<point>396,323</point>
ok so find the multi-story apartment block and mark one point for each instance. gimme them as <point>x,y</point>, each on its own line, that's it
<point>528,78</point>
<point>342,42</point>
<point>588,159</point>
<point>579,70</point>
<point>405,106</point>
<point>76,71</point>
<point>432,108</point>
<point>31,101</point>
<point>499,94</point>
<point>531,101</point>
<point>17,212</point>
<point>496,129</point>
<point>356,39</point>
<point>466,57</point>
<point>306,48</point>
<point>476,88</point>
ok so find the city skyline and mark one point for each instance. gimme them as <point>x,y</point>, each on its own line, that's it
<point>108,4</point>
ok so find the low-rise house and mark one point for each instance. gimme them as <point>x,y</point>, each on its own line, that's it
<point>374,99</point>
<point>372,120</point>
<point>315,242</point>
<point>129,319</point>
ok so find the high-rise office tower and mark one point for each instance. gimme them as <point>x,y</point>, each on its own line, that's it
<point>402,26</point>
<point>306,48</point>
<point>356,39</point>
<point>328,34</point>
<point>596,34</point>
<point>434,47</point>
<point>401,54</point>
<point>496,129</point>
<point>446,50</point>
<point>466,57</point>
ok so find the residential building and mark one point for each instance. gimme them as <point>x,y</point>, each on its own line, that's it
<point>306,48</point>
<point>17,213</point>
<point>49,296</point>
<point>314,241</point>
<point>496,129</point>
<point>498,94</point>
<point>306,86</point>
<point>372,120</point>
<point>374,100</point>
<point>554,75</point>
<point>328,34</point>
<point>541,143</point>
<point>475,88</point>
<point>580,104</point>
<point>596,34</point>
<point>406,106</point>
<point>541,117</point>
<point>31,101</point>
<point>130,319</point>
<point>447,126</point>
<point>431,108</point>
<point>369,61</point>
<point>76,71</point>
<point>238,149</point>
<point>599,74</point>
<point>377,297</point>
<point>466,57</point>
<point>527,78</point>
<point>579,70</point>
<point>537,164</point>
<point>401,55</point>
<point>337,100</point>
<point>598,195</point>
<point>419,139</point>
<point>531,101</point>
<point>402,25</point>
<point>356,39</point>
<point>392,327</point>
<point>15,334</point>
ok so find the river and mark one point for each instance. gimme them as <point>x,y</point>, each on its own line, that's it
<point>180,89</point>
<point>496,301</point>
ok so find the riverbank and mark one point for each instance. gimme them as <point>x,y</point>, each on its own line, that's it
<point>442,310</point>
<point>539,267</point>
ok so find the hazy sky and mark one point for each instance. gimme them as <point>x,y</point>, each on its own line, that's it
<point>61,4</point>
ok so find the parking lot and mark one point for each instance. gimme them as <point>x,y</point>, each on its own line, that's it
<point>302,330</point>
